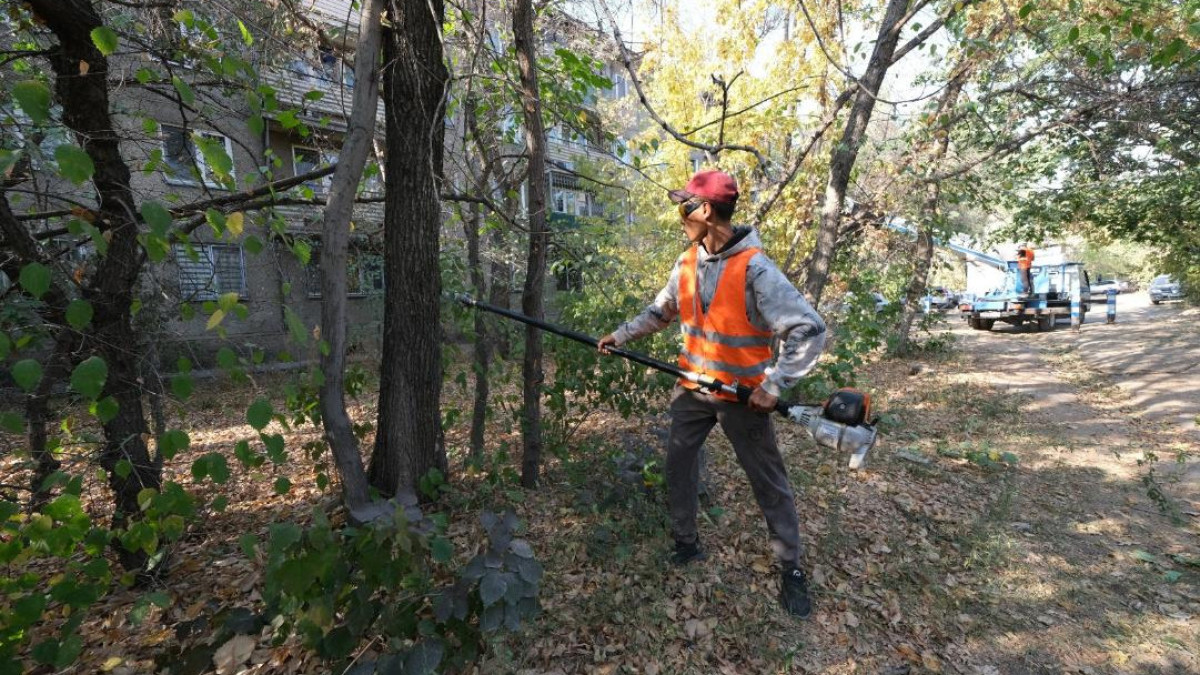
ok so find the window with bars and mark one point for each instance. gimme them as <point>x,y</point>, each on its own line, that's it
<point>364,272</point>
<point>567,196</point>
<point>207,271</point>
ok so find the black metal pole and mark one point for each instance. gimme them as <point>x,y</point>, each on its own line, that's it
<point>712,384</point>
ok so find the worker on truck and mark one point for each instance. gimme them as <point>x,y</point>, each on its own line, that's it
<point>1024,268</point>
<point>732,302</point>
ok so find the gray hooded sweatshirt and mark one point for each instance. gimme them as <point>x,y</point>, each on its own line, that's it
<point>772,304</point>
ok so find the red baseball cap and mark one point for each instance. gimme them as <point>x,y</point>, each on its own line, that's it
<point>712,185</point>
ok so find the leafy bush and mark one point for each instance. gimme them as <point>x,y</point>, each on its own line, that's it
<point>335,586</point>
<point>27,595</point>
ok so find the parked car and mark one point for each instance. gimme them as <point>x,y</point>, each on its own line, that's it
<point>1101,287</point>
<point>1165,287</point>
<point>940,298</point>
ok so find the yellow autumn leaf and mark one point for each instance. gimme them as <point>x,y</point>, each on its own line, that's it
<point>215,320</point>
<point>234,222</point>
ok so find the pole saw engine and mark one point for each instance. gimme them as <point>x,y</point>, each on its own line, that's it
<point>840,423</point>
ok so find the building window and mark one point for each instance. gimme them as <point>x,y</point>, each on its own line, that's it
<point>620,85</point>
<point>207,271</point>
<point>364,272</point>
<point>305,160</point>
<point>567,197</point>
<point>185,164</point>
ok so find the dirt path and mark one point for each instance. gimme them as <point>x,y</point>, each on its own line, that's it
<point>1097,580</point>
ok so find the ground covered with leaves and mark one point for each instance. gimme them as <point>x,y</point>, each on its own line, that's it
<point>990,534</point>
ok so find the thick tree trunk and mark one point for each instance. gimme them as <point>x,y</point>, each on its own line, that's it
<point>845,153</point>
<point>409,441</point>
<point>335,232</point>
<point>535,270</point>
<point>83,94</point>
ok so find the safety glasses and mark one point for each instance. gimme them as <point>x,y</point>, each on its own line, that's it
<point>686,208</point>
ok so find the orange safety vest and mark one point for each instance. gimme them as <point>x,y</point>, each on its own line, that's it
<point>1025,261</point>
<point>721,342</point>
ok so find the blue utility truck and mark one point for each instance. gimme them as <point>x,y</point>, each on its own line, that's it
<point>1056,287</point>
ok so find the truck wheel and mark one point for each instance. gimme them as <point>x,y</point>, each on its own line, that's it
<point>1045,323</point>
<point>986,324</point>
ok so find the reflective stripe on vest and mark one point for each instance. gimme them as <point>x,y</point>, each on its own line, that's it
<point>721,342</point>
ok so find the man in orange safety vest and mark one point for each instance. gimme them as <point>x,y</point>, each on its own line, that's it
<point>732,303</point>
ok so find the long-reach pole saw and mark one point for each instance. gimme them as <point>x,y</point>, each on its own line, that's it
<point>839,423</point>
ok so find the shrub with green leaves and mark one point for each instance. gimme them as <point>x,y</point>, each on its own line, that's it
<point>31,593</point>
<point>335,586</point>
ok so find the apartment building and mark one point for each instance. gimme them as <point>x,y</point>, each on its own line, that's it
<point>204,141</point>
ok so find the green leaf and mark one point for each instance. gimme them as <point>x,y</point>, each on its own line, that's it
<point>259,414</point>
<point>1172,576</point>
<point>215,157</point>
<point>247,38</point>
<point>172,442</point>
<point>27,373</point>
<point>156,216</point>
<point>441,549</point>
<point>1026,9</point>
<point>212,465</point>
<point>123,468</point>
<point>296,329</point>
<point>253,245</point>
<point>79,314</point>
<point>492,587</point>
<point>35,279</point>
<point>74,164</point>
<point>88,377</point>
<point>12,422</point>
<point>282,485</point>
<point>105,409</point>
<point>226,358</point>
<point>1073,34</point>
<point>228,301</point>
<point>249,544</point>
<point>185,92</point>
<point>182,386</point>
<point>105,40</point>
<point>34,99</point>
<point>5,346</point>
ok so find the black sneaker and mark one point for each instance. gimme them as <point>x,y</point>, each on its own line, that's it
<point>793,593</point>
<point>687,553</point>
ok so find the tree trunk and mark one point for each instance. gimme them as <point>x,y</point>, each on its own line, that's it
<point>409,441</point>
<point>335,232</point>
<point>929,217</point>
<point>845,153</point>
<point>83,94</point>
<point>482,356</point>
<point>535,270</point>
<point>37,415</point>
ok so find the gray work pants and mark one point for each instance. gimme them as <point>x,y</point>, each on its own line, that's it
<point>752,435</point>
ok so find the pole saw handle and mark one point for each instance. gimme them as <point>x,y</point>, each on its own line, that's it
<point>781,406</point>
